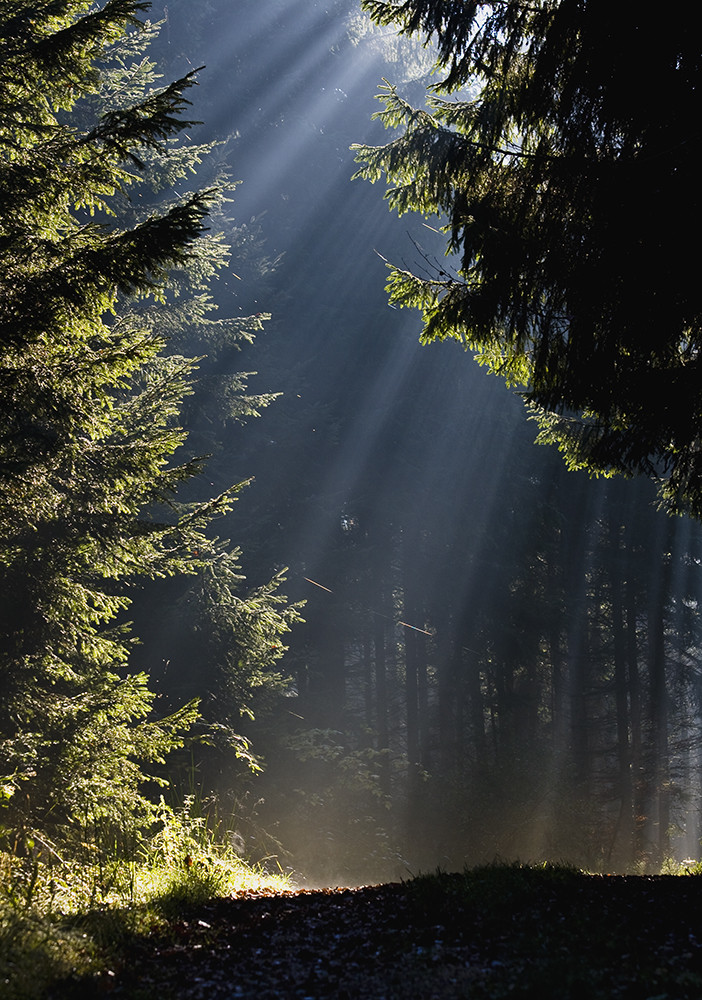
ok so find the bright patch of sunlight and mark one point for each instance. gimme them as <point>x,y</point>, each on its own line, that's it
<point>64,919</point>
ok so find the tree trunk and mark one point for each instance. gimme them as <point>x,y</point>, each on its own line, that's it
<point>622,845</point>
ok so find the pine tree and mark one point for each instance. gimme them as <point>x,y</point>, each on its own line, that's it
<point>565,182</point>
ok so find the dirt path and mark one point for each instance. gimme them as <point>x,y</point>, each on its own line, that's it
<point>517,934</point>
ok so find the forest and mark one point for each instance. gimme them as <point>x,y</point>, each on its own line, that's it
<point>290,578</point>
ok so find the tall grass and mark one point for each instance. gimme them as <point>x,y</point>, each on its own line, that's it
<point>64,917</point>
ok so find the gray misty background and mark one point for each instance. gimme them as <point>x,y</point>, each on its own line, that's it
<point>499,658</point>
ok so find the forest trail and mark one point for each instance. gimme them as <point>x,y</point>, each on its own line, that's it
<point>495,932</point>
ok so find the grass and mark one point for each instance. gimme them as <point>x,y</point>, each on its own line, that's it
<point>74,938</point>
<point>63,920</point>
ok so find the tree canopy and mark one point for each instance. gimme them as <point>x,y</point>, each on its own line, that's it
<point>560,152</point>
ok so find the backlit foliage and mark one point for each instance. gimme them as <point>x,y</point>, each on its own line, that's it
<point>90,416</point>
<point>557,152</point>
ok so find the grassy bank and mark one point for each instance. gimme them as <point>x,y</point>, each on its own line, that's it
<point>72,917</point>
<point>76,931</point>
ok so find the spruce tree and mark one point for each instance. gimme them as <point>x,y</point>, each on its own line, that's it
<point>565,183</point>
<point>89,424</point>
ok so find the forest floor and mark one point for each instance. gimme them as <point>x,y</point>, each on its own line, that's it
<point>500,931</point>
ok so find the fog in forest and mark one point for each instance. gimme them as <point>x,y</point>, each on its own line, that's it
<point>498,658</point>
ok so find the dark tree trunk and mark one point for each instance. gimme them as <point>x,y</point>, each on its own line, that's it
<point>622,847</point>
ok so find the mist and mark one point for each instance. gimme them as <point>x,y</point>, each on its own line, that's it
<point>499,658</point>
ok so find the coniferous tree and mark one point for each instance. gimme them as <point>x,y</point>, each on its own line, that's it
<point>538,150</point>
<point>90,418</point>
<point>221,640</point>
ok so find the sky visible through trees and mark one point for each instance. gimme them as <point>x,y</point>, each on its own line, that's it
<point>498,658</point>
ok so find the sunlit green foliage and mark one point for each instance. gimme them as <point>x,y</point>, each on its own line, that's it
<point>564,182</point>
<point>243,637</point>
<point>90,413</point>
<point>74,919</point>
<point>233,631</point>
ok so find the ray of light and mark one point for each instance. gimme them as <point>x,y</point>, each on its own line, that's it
<point>293,122</point>
<point>320,585</point>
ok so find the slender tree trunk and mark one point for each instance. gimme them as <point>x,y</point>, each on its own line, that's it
<point>424,721</point>
<point>659,713</point>
<point>578,676</point>
<point>368,686</point>
<point>576,558</point>
<point>477,707</point>
<point>639,783</point>
<point>412,658</point>
<point>623,842</point>
<point>450,697</point>
<point>414,665</point>
<point>381,683</point>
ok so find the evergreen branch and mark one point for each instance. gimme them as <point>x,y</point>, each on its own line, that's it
<point>148,124</point>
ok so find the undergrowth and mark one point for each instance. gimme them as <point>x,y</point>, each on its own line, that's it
<point>64,919</point>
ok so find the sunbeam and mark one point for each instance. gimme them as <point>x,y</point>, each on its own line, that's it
<point>475,614</point>
<point>350,423</point>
